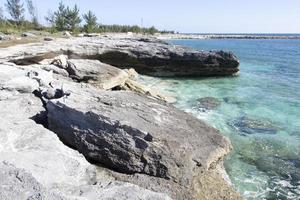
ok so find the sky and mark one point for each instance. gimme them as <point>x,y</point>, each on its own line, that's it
<point>191,16</point>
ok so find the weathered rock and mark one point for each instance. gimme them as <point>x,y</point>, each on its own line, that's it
<point>60,61</point>
<point>96,73</point>
<point>129,133</point>
<point>54,69</point>
<point>146,56</point>
<point>67,34</point>
<point>18,184</point>
<point>134,86</point>
<point>4,37</point>
<point>27,34</point>
<point>118,191</point>
<point>48,39</point>
<point>49,168</point>
<point>13,79</point>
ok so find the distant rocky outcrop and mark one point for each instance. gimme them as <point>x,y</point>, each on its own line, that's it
<point>147,56</point>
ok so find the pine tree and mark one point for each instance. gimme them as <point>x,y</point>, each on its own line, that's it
<point>152,30</point>
<point>33,12</point>
<point>16,10</point>
<point>90,22</point>
<point>73,19</point>
<point>1,14</point>
<point>59,17</point>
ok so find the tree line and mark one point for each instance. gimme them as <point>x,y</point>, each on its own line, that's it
<point>65,18</point>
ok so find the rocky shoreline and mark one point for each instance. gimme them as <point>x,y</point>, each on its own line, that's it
<point>76,124</point>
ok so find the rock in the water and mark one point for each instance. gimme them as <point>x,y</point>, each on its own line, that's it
<point>233,100</point>
<point>253,126</point>
<point>208,103</point>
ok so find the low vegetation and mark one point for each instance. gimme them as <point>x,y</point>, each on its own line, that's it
<point>65,18</point>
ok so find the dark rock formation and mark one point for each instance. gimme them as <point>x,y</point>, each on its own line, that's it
<point>176,61</point>
<point>208,103</point>
<point>252,126</point>
<point>133,134</point>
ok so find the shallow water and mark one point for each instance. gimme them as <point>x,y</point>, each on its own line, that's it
<point>259,111</point>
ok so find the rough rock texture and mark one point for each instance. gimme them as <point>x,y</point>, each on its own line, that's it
<point>99,74</point>
<point>17,184</point>
<point>49,168</point>
<point>133,134</point>
<point>146,56</point>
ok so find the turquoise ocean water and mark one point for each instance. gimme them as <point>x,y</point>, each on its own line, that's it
<point>259,111</point>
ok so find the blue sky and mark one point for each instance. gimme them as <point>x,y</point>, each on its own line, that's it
<point>202,16</point>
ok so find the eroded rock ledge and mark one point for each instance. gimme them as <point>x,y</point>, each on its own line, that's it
<point>141,147</point>
<point>147,56</point>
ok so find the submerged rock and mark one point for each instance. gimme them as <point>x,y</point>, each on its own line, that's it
<point>253,126</point>
<point>208,103</point>
<point>233,100</point>
<point>288,170</point>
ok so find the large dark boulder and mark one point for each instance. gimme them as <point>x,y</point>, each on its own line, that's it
<point>167,61</point>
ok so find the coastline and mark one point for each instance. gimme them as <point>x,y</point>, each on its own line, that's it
<point>74,65</point>
<point>228,36</point>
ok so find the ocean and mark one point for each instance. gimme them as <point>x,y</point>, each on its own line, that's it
<point>258,110</point>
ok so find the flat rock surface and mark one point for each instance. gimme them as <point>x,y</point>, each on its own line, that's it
<point>18,184</point>
<point>101,75</point>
